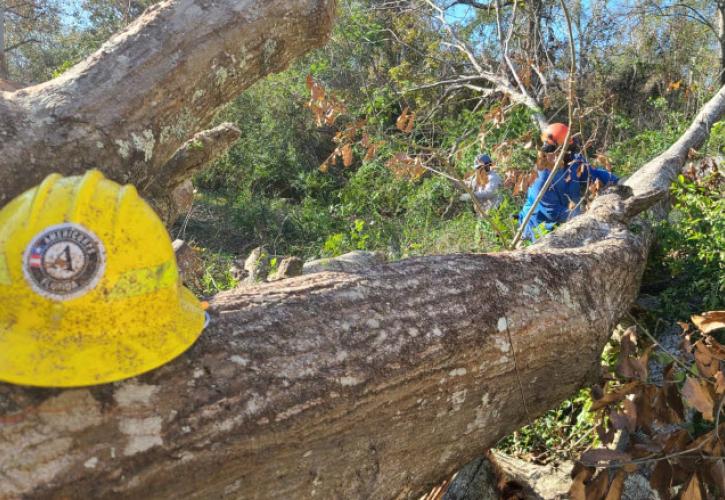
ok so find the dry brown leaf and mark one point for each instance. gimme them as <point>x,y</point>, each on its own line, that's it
<point>411,120</point>
<point>693,490</point>
<point>481,177</point>
<point>520,186</point>
<point>675,441</point>
<point>719,382</point>
<point>630,412</point>
<point>580,475</point>
<point>402,122</point>
<point>615,396</point>
<point>606,436</point>
<point>597,487</point>
<point>629,366</point>
<point>595,186</point>
<point>672,395</point>
<point>661,479</point>
<point>318,92</point>
<point>604,161</point>
<point>706,363</point>
<point>709,321</point>
<point>619,421</point>
<point>689,171</point>
<point>716,471</point>
<point>347,155</point>
<point>545,161</point>
<point>696,395</point>
<point>615,489</point>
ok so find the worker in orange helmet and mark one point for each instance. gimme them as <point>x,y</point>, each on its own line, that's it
<point>562,199</point>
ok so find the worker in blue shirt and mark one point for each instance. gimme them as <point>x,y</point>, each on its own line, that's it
<point>562,199</point>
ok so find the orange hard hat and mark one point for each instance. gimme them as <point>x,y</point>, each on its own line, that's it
<point>554,134</point>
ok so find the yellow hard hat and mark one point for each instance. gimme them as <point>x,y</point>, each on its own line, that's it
<point>89,288</point>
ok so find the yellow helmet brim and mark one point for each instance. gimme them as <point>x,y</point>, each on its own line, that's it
<point>141,342</point>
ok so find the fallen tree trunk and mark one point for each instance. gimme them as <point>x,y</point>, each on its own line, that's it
<point>130,108</point>
<point>370,385</point>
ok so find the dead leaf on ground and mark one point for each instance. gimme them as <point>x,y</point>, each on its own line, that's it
<point>630,366</point>
<point>597,487</point>
<point>580,474</point>
<point>697,395</point>
<point>615,489</point>
<point>707,364</point>
<point>675,441</point>
<point>709,321</point>
<point>693,490</point>
<point>661,479</point>
<point>716,471</point>
<point>615,396</point>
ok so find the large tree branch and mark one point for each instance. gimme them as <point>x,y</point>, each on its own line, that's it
<point>370,385</point>
<point>518,95</point>
<point>130,106</point>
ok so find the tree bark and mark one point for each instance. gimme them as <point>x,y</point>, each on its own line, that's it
<point>3,56</point>
<point>377,384</point>
<point>721,38</point>
<point>129,107</point>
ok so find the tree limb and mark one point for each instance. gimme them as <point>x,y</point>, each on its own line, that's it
<point>129,107</point>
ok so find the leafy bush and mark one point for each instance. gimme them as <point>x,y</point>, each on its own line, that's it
<point>692,248</point>
<point>560,433</point>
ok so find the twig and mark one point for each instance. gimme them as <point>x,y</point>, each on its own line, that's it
<point>653,458</point>
<point>676,360</point>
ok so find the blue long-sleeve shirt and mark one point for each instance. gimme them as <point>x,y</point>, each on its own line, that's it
<point>566,187</point>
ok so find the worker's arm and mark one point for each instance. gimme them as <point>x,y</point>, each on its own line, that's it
<point>604,176</point>
<point>583,174</point>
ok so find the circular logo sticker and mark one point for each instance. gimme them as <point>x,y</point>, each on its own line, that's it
<point>64,262</point>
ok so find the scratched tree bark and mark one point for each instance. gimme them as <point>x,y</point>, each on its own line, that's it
<point>370,385</point>
<point>132,106</point>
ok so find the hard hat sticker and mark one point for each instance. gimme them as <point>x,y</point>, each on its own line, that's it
<point>64,261</point>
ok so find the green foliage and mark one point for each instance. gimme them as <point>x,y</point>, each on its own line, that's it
<point>692,248</point>
<point>217,276</point>
<point>560,433</point>
<point>634,151</point>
